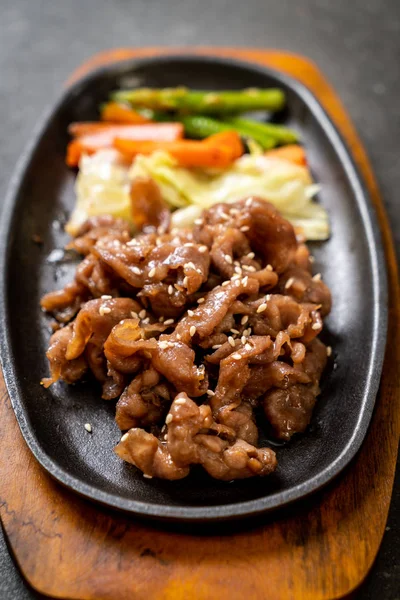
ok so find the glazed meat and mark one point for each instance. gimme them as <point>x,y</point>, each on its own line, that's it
<point>193,330</point>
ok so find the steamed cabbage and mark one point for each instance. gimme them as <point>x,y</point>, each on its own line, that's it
<point>103,187</point>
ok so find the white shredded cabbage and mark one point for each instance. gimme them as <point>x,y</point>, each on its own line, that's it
<point>105,189</point>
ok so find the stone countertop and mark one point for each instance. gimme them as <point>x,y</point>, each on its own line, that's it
<point>355,43</point>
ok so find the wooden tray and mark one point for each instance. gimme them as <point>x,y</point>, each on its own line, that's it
<point>319,549</point>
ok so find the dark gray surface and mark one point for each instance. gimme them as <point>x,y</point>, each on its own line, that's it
<point>356,43</point>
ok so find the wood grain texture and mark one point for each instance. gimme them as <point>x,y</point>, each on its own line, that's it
<point>319,549</point>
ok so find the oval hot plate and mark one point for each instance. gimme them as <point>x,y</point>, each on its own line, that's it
<point>352,263</point>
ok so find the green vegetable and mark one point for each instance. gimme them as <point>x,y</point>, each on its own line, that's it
<point>282,135</point>
<point>200,126</point>
<point>188,101</point>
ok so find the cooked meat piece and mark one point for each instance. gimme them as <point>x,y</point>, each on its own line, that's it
<point>98,227</point>
<point>189,443</point>
<point>306,289</point>
<point>226,313</point>
<point>80,344</point>
<point>289,410</point>
<point>149,211</point>
<point>60,368</point>
<point>148,454</point>
<point>273,374</point>
<point>145,401</point>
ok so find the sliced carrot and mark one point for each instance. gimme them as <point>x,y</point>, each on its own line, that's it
<point>230,139</point>
<point>188,153</point>
<point>114,112</point>
<point>74,153</point>
<point>293,153</point>
<point>97,138</point>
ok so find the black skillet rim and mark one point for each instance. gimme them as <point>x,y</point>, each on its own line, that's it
<point>380,315</point>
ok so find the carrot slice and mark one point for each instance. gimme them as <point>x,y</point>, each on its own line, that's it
<point>293,153</point>
<point>188,153</point>
<point>230,139</point>
<point>118,113</point>
<point>96,138</point>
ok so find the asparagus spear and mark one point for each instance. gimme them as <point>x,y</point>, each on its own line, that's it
<point>200,126</point>
<point>188,101</point>
<point>280,134</point>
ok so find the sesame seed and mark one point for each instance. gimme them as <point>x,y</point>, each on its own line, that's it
<point>250,255</point>
<point>147,476</point>
<point>106,297</point>
<point>170,289</point>
<point>178,287</point>
<point>317,277</point>
<point>169,322</point>
<point>134,314</point>
<point>289,283</point>
<point>237,283</point>
<point>158,243</point>
<point>262,307</point>
<point>192,330</point>
<point>234,211</point>
<point>124,437</point>
<point>163,345</point>
<point>131,242</point>
<point>189,265</point>
<point>136,270</point>
<point>210,393</point>
<point>88,427</point>
<point>231,341</point>
<point>245,228</point>
<point>190,313</point>
<point>178,336</point>
<point>185,281</point>
<point>198,221</point>
<point>311,259</point>
<point>199,271</point>
<point>203,249</point>
<point>249,201</point>
<point>142,313</point>
<point>228,259</point>
<point>200,301</point>
<point>328,350</point>
<point>245,281</point>
<point>316,326</point>
<point>269,268</point>
<point>146,321</point>
<point>247,331</point>
<point>244,320</point>
<point>180,401</point>
<point>161,319</point>
<point>268,297</point>
<point>152,272</point>
<point>236,263</point>
<point>234,331</point>
<point>216,346</point>
<point>236,276</point>
<point>248,347</point>
<point>171,344</point>
<point>168,418</point>
<point>243,339</point>
<point>189,245</point>
<point>104,310</point>
<point>236,356</point>
<point>225,217</point>
<point>251,269</point>
<point>225,283</point>
<point>238,270</point>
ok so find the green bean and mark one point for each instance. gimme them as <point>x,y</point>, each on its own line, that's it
<point>183,100</point>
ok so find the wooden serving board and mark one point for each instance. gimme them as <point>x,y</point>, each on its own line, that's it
<point>319,549</point>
